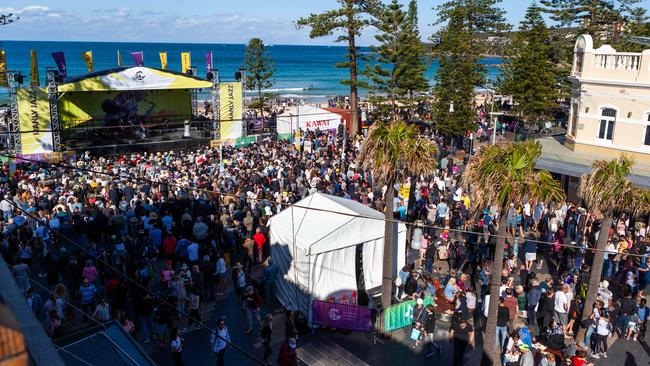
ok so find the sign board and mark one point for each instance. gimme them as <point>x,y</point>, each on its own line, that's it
<point>401,315</point>
<point>341,316</point>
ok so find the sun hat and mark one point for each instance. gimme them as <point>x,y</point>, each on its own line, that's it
<point>604,284</point>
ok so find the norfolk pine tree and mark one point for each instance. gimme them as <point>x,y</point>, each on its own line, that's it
<point>458,50</point>
<point>529,76</point>
<point>398,73</point>
<point>259,71</point>
<point>348,21</point>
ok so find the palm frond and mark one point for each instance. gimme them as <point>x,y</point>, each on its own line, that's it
<point>396,147</point>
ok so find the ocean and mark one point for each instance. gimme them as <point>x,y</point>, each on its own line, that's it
<point>301,71</point>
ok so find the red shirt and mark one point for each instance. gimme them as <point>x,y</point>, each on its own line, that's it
<point>577,361</point>
<point>169,245</point>
<point>260,240</point>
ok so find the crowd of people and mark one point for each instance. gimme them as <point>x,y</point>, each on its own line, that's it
<point>149,238</point>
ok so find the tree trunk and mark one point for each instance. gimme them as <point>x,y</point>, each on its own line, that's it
<point>354,104</point>
<point>261,98</point>
<point>596,268</point>
<point>495,283</point>
<point>387,265</point>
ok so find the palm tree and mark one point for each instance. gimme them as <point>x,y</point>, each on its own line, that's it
<point>500,175</point>
<point>607,189</point>
<point>394,150</point>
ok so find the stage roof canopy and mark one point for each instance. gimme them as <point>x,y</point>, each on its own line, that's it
<point>133,78</point>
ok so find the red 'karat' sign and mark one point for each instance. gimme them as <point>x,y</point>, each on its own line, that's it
<point>324,123</point>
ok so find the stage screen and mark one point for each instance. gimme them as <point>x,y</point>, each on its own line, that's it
<point>122,117</point>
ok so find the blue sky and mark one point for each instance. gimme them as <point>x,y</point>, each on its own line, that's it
<point>197,21</point>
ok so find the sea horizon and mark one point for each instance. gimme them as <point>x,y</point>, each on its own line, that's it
<point>304,71</point>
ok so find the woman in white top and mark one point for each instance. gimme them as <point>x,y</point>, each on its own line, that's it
<point>176,346</point>
<point>603,331</point>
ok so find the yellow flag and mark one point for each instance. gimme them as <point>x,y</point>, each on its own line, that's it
<point>3,68</point>
<point>163,60</point>
<point>186,61</point>
<point>88,59</point>
<point>34,81</point>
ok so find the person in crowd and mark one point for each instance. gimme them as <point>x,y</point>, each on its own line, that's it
<point>176,345</point>
<point>462,335</point>
<point>219,340</point>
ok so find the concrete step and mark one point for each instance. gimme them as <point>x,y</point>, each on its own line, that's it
<point>324,352</point>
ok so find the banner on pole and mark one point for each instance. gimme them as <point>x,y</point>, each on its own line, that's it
<point>33,73</point>
<point>138,58</point>
<point>59,59</point>
<point>34,119</point>
<point>88,59</point>
<point>341,316</point>
<point>186,61</point>
<point>163,60</point>
<point>401,315</point>
<point>208,62</point>
<point>230,110</point>
<point>3,68</point>
<point>119,58</point>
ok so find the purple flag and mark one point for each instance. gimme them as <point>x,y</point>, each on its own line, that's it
<point>59,58</point>
<point>341,316</point>
<point>138,58</point>
<point>208,62</point>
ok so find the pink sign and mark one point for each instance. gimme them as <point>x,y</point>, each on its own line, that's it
<point>341,316</point>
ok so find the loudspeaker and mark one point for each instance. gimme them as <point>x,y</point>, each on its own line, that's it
<point>238,75</point>
<point>19,78</point>
<point>210,76</point>
<point>189,72</point>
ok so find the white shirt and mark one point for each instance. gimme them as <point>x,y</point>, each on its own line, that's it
<point>221,266</point>
<point>193,252</point>
<point>219,343</point>
<point>177,344</point>
<point>527,209</point>
<point>561,301</point>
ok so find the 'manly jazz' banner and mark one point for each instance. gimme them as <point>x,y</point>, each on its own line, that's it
<point>341,316</point>
<point>34,119</point>
<point>230,111</point>
<point>163,60</point>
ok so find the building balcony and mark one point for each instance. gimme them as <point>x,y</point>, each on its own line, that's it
<point>605,65</point>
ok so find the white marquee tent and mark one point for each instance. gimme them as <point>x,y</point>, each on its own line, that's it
<point>306,118</point>
<point>316,250</point>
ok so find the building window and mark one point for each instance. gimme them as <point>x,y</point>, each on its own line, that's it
<point>607,123</point>
<point>646,140</point>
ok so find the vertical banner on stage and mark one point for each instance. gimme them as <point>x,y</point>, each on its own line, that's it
<point>59,59</point>
<point>88,59</point>
<point>341,316</point>
<point>163,60</point>
<point>208,62</point>
<point>34,119</point>
<point>119,58</point>
<point>33,68</point>
<point>3,68</point>
<point>186,61</point>
<point>138,58</point>
<point>230,111</point>
<point>401,315</point>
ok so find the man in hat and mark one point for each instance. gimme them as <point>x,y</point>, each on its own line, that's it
<point>527,358</point>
